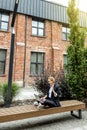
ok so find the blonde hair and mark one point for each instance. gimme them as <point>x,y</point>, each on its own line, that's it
<point>51,79</point>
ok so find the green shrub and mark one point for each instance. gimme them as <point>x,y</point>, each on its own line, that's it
<point>41,83</point>
<point>3,90</point>
<point>76,55</point>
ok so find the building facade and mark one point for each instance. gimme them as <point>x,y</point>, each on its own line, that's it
<point>41,38</point>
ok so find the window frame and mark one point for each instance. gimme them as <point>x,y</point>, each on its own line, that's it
<point>66,33</point>
<point>3,61</point>
<point>37,27</point>
<point>37,63</point>
<point>4,21</point>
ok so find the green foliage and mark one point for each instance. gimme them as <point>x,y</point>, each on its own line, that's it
<point>14,91</point>
<point>76,55</point>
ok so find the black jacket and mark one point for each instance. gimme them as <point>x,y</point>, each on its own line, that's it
<point>56,89</point>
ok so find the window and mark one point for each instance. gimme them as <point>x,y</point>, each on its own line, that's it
<point>65,63</point>
<point>2,61</point>
<point>37,63</point>
<point>4,20</point>
<point>37,27</point>
<point>65,59</point>
<point>65,33</point>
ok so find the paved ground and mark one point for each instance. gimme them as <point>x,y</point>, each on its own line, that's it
<point>63,121</point>
<point>26,93</point>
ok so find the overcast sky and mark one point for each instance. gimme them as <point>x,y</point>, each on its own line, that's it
<point>82,4</point>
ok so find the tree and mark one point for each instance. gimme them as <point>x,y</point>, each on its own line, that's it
<point>76,54</point>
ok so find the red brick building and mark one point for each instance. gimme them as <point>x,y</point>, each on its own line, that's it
<point>41,38</point>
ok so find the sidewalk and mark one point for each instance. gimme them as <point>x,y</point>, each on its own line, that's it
<point>26,93</point>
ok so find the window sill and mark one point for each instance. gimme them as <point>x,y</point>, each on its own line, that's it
<point>5,31</point>
<point>2,75</point>
<point>35,75</point>
<point>65,40</point>
<point>38,36</point>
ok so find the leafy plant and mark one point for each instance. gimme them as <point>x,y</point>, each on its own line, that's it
<point>41,83</point>
<point>14,91</point>
<point>76,55</point>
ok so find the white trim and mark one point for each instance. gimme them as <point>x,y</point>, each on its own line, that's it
<point>39,50</point>
<point>20,43</point>
<point>65,53</point>
<point>39,47</point>
<point>1,47</point>
<point>56,48</point>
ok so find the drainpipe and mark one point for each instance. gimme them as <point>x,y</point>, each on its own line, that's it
<point>24,72</point>
<point>52,49</point>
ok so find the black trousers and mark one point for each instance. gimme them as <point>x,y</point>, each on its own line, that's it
<point>50,103</point>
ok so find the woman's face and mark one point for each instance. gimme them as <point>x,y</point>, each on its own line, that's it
<point>50,82</point>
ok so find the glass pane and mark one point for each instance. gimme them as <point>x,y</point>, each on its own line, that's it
<point>2,55</point>
<point>41,25</point>
<point>5,18</point>
<point>33,69</point>
<point>68,30</point>
<point>40,69</point>
<point>65,71</point>
<point>33,57</point>
<point>65,59</point>
<point>34,23</point>
<point>64,29</point>
<point>64,36</point>
<point>1,68</point>
<point>40,58</point>
<point>40,32</point>
<point>4,26</point>
<point>34,31</point>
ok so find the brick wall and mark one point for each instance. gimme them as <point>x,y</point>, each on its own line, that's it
<point>52,45</point>
<point>5,40</point>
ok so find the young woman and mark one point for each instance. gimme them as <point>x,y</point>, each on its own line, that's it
<point>51,99</point>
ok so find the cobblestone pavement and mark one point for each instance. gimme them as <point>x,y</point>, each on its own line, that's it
<point>62,121</point>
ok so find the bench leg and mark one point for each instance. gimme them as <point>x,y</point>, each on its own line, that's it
<point>79,116</point>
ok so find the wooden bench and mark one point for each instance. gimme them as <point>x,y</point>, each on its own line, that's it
<point>28,111</point>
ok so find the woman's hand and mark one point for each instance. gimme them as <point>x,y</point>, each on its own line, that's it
<point>55,94</point>
<point>43,98</point>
